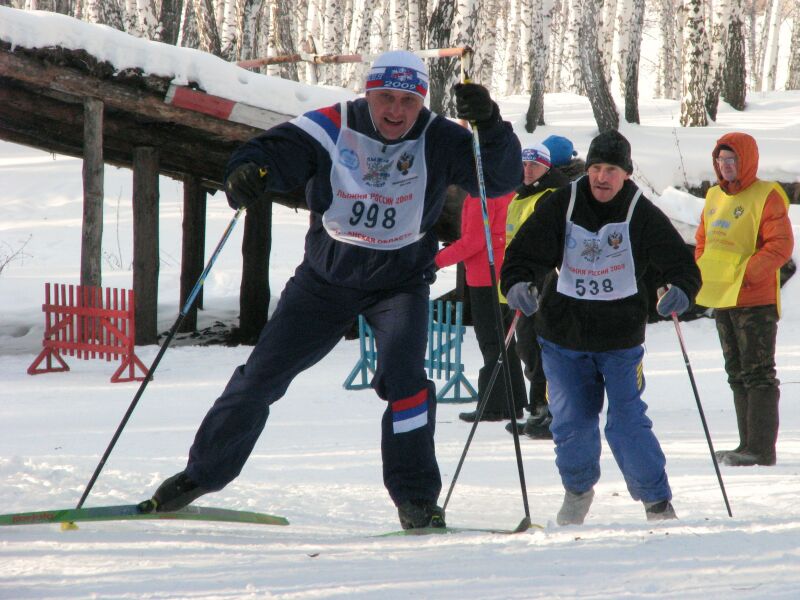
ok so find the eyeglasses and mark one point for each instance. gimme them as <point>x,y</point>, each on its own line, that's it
<point>726,160</point>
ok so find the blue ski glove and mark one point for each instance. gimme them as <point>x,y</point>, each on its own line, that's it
<point>674,300</point>
<point>523,296</point>
<point>245,184</point>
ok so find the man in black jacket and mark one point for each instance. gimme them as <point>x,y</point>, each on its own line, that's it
<point>587,247</point>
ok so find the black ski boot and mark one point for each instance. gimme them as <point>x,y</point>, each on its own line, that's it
<point>175,493</point>
<point>416,514</point>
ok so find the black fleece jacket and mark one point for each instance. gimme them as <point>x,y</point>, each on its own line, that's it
<point>596,326</point>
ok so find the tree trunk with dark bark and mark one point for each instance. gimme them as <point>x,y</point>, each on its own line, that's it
<point>593,70</point>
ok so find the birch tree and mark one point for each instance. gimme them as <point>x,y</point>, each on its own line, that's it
<point>793,78</point>
<point>207,33</point>
<point>607,33</point>
<point>228,27</point>
<point>462,34</point>
<point>486,42</point>
<point>771,54</point>
<point>332,35</point>
<point>511,51</point>
<point>441,71</point>
<point>104,13</point>
<point>734,87</point>
<point>526,47</point>
<point>695,65</point>
<point>762,41</point>
<point>593,69</point>
<point>246,17</point>
<point>187,32</point>
<point>572,64</point>
<point>169,18</point>
<point>719,48</point>
<point>558,29</point>
<point>130,19</point>
<point>358,43</point>
<point>148,25</point>
<point>282,31</point>
<point>540,30</point>
<point>414,25</point>
<point>630,45</point>
<point>311,41</point>
<point>398,21</point>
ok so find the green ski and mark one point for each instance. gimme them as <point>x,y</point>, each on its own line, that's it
<point>126,512</point>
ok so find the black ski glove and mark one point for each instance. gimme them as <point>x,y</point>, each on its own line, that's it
<point>245,184</point>
<point>474,104</point>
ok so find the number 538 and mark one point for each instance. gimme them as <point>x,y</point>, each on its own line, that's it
<point>593,286</point>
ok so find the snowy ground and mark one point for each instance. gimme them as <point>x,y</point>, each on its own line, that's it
<point>318,462</point>
<point>319,465</point>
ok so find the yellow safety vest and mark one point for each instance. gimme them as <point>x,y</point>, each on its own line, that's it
<point>731,227</point>
<point>519,209</point>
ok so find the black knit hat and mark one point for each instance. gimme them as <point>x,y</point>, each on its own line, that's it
<point>610,147</point>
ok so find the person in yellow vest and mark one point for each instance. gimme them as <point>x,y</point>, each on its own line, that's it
<point>743,239</point>
<point>542,175</point>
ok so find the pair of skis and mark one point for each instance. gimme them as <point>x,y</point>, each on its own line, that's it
<point>131,512</point>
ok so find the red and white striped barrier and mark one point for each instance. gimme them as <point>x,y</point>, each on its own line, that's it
<point>221,108</point>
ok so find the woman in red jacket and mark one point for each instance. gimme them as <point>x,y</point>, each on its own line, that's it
<point>470,249</point>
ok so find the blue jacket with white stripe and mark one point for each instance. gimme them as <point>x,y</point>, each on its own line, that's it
<point>294,158</point>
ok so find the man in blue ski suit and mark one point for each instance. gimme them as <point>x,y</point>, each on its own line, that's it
<point>375,172</point>
<point>587,246</point>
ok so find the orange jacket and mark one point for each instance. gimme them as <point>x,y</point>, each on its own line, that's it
<point>471,246</point>
<point>775,239</point>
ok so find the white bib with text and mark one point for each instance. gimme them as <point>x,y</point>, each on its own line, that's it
<point>378,190</point>
<point>598,266</point>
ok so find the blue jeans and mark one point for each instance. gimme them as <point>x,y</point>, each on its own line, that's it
<point>577,382</point>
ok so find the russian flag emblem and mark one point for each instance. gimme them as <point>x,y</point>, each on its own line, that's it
<point>410,413</point>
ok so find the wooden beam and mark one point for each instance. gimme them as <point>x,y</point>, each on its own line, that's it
<point>193,248</point>
<point>28,117</point>
<point>254,292</point>
<point>117,95</point>
<point>145,244</point>
<point>93,193</point>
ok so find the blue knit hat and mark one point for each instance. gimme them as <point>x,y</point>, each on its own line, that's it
<point>561,150</point>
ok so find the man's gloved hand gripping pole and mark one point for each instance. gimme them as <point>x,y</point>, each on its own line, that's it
<point>245,184</point>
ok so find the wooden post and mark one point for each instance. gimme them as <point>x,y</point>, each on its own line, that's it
<point>254,293</point>
<point>92,229</point>
<point>145,243</point>
<point>193,247</point>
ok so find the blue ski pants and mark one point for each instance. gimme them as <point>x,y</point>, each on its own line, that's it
<point>309,320</point>
<point>576,383</point>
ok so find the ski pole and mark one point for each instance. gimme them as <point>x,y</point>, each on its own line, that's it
<point>483,401</point>
<point>186,307</point>
<point>503,358</point>
<point>700,410</point>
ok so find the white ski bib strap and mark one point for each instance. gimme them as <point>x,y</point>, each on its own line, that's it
<point>378,190</point>
<point>598,266</point>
